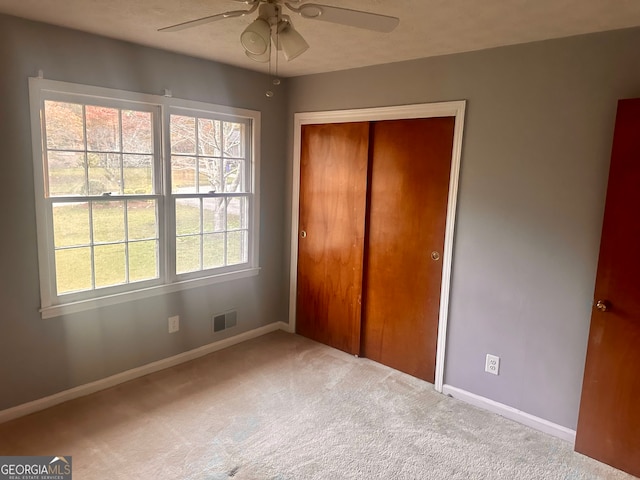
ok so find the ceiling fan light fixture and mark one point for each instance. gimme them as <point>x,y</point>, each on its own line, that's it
<point>290,41</point>
<point>262,58</point>
<point>256,37</point>
<point>271,25</point>
<point>310,11</point>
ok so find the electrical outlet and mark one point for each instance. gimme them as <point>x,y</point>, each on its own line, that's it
<point>174,324</point>
<point>492,364</point>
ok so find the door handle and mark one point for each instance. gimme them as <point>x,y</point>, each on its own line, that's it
<point>303,234</point>
<point>603,305</point>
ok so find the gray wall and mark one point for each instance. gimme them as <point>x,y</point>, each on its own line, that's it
<point>535,159</point>
<point>40,357</point>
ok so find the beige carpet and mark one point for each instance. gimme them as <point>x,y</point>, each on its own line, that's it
<point>283,407</point>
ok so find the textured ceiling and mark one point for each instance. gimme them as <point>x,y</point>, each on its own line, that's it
<point>427,27</point>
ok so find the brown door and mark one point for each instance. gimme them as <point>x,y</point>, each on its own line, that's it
<point>609,421</point>
<point>333,185</point>
<point>410,167</point>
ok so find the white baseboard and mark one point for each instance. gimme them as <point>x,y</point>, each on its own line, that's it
<point>287,327</point>
<point>113,380</point>
<point>511,413</point>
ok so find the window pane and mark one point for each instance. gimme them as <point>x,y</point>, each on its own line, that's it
<point>103,129</point>
<point>183,174</point>
<point>65,130</point>
<point>71,224</point>
<point>188,254</point>
<point>73,270</point>
<point>233,140</point>
<point>137,132</point>
<point>214,215</point>
<point>109,264</point>
<point>104,173</point>
<point>183,134</point>
<point>108,221</point>
<point>209,137</point>
<point>234,176</point>
<point>187,216</point>
<point>142,219</point>
<point>138,174</point>
<point>236,247</point>
<point>209,180</point>
<point>213,250</point>
<point>143,260</point>
<point>66,173</point>
<point>236,213</point>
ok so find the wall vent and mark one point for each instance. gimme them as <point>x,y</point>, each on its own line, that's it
<point>222,321</point>
<point>230,319</point>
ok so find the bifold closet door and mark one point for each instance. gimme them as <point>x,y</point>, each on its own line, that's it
<point>333,185</point>
<point>409,186</point>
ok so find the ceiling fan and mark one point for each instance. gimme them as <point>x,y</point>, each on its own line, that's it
<point>272,25</point>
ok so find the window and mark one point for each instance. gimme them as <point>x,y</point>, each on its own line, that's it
<point>208,182</point>
<point>139,194</point>
<point>101,193</point>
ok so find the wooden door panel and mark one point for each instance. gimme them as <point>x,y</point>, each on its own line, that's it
<point>609,420</point>
<point>333,183</point>
<point>409,185</point>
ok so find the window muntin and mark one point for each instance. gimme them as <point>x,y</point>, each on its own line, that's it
<point>108,224</point>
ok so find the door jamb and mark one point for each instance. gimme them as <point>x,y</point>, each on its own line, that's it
<point>424,110</point>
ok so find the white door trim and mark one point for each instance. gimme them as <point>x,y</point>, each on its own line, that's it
<point>425,110</point>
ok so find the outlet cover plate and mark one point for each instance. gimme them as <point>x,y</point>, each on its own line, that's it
<point>492,364</point>
<point>174,324</point>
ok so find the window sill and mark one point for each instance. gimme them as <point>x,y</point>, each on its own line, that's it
<point>93,303</point>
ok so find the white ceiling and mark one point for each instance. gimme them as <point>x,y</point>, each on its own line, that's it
<point>427,27</point>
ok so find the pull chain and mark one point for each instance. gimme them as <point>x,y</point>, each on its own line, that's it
<point>275,80</point>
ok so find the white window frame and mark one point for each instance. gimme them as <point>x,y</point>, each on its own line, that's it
<point>53,305</point>
<point>193,110</point>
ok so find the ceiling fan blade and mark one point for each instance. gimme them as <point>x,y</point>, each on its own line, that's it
<point>205,20</point>
<point>345,16</point>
